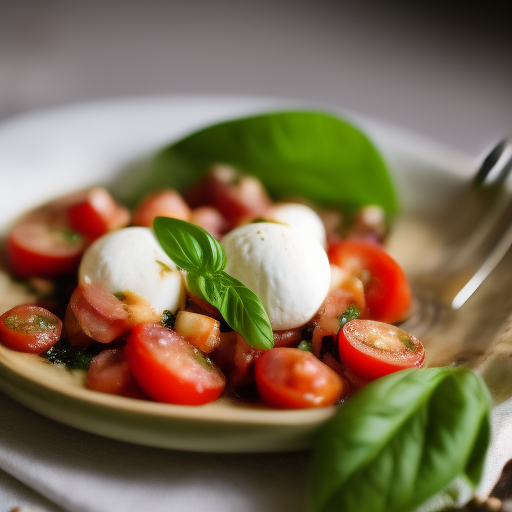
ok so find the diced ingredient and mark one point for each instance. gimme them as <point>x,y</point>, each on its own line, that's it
<point>130,260</point>
<point>290,378</point>
<point>29,328</point>
<point>171,370</point>
<point>41,249</point>
<point>386,290</point>
<point>165,203</point>
<point>374,349</point>
<point>288,272</point>
<point>200,330</point>
<point>97,213</point>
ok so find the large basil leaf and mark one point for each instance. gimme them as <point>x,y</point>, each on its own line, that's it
<point>400,440</point>
<point>296,154</point>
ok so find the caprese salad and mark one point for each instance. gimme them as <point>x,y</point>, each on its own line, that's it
<point>117,300</point>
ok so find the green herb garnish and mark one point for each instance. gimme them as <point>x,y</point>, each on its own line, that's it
<point>121,296</point>
<point>73,358</point>
<point>351,313</point>
<point>168,319</point>
<point>33,324</point>
<point>304,345</point>
<point>202,258</point>
<point>400,440</point>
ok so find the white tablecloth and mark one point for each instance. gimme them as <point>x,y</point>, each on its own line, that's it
<point>51,467</point>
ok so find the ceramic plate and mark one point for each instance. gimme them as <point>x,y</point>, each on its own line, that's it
<point>49,153</point>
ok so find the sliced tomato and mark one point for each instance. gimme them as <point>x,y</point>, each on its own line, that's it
<point>39,249</point>
<point>72,330</point>
<point>210,219</point>
<point>110,373</point>
<point>171,370</point>
<point>29,328</point>
<point>387,292</point>
<point>165,203</point>
<point>374,349</point>
<point>97,213</point>
<point>235,357</point>
<point>237,197</point>
<point>288,337</point>
<point>99,313</point>
<point>290,378</point>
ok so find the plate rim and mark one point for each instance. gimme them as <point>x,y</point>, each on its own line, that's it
<point>431,149</point>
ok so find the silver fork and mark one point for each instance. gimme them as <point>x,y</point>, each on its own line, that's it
<point>479,232</point>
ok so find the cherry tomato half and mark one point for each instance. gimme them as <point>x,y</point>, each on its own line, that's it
<point>374,349</point>
<point>169,369</point>
<point>110,373</point>
<point>97,213</point>
<point>165,203</point>
<point>289,378</point>
<point>44,250</point>
<point>387,292</point>
<point>29,328</point>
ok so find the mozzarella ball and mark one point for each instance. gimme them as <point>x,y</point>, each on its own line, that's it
<point>289,272</point>
<point>301,217</point>
<point>132,260</point>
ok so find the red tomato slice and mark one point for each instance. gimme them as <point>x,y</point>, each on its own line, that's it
<point>387,292</point>
<point>290,378</point>
<point>210,219</point>
<point>39,249</point>
<point>171,370</point>
<point>235,196</point>
<point>235,358</point>
<point>110,373</point>
<point>374,349</point>
<point>29,328</point>
<point>165,203</point>
<point>99,313</point>
<point>97,213</point>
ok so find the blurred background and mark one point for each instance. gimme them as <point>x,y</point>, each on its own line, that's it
<point>440,69</point>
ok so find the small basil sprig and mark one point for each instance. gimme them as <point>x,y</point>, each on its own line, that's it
<point>198,253</point>
<point>400,440</point>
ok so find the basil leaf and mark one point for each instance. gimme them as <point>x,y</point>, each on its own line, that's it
<point>196,251</point>
<point>189,246</point>
<point>238,305</point>
<point>306,154</point>
<point>400,440</point>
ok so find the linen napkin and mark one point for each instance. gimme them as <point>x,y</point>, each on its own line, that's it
<point>49,467</point>
<point>82,472</point>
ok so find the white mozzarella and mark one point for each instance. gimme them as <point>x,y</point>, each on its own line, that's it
<point>301,217</point>
<point>132,260</point>
<point>289,272</point>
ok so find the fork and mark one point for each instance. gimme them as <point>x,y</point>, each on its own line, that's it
<point>473,250</point>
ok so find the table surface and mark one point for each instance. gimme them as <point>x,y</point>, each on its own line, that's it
<point>442,70</point>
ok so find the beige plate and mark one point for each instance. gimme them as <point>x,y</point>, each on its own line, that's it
<point>53,152</point>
